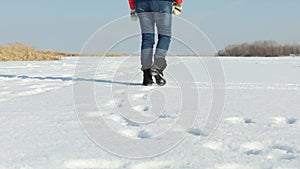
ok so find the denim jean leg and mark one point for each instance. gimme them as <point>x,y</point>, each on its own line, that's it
<point>147,50</point>
<point>164,27</point>
<point>147,24</point>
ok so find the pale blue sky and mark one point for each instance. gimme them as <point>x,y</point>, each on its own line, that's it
<point>66,24</point>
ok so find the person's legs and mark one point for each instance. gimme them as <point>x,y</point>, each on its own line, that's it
<point>150,13</point>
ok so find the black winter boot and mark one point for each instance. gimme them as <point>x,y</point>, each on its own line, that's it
<point>148,81</point>
<point>159,77</point>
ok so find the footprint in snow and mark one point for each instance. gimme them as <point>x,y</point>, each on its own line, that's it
<point>146,108</point>
<point>249,121</point>
<point>239,120</point>
<point>140,96</point>
<point>252,148</point>
<point>283,152</point>
<point>166,116</point>
<point>141,108</point>
<point>284,120</point>
<point>144,134</point>
<point>291,121</point>
<point>195,131</point>
<point>145,97</point>
<point>132,123</point>
<point>283,148</point>
<point>120,105</point>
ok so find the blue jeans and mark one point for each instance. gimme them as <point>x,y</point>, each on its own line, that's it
<point>153,13</point>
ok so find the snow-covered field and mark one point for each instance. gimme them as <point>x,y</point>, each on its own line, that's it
<point>39,126</point>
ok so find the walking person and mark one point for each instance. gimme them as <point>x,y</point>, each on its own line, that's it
<point>151,14</point>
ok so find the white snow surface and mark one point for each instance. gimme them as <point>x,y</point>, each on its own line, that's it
<point>259,129</point>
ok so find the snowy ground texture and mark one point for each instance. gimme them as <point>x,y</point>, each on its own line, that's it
<point>260,128</point>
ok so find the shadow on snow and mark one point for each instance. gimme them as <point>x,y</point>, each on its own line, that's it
<point>71,79</point>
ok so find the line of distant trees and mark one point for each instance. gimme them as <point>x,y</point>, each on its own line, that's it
<point>261,48</point>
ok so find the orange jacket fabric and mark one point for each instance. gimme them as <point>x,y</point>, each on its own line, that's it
<point>132,5</point>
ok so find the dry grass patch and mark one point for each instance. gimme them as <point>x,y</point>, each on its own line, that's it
<point>24,52</point>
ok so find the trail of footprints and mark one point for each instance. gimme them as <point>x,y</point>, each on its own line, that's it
<point>275,151</point>
<point>272,121</point>
<point>140,102</point>
<point>265,150</point>
<point>234,120</point>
